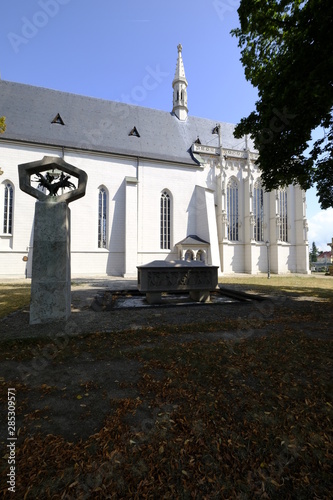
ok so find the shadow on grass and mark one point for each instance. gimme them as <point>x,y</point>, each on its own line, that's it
<point>13,297</point>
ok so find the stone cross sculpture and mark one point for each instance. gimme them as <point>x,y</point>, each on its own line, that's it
<point>51,273</point>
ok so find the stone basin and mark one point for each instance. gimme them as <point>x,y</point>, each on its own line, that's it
<point>196,277</point>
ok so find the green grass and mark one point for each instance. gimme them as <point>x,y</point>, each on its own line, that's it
<point>13,297</point>
<point>312,286</point>
<point>17,296</point>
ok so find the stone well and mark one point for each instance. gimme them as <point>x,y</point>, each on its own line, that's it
<point>195,277</point>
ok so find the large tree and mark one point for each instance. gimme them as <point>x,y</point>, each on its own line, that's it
<point>287,52</point>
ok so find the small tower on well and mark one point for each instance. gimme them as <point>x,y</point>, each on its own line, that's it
<point>179,85</point>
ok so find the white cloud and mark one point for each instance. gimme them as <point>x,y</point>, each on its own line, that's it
<point>321,229</point>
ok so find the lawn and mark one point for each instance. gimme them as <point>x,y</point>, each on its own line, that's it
<point>249,417</point>
<point>313,285</point>
<point>16,296</point>
<point>13,297</point>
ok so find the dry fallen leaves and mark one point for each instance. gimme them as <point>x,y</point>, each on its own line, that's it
<point>251,416</point>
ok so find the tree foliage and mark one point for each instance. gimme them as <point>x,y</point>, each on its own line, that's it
<point>314,253</point>
<point>287,52</point>
<point>2,124</point>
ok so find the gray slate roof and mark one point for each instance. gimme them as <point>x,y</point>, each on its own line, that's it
<point>103,126</point>
<point>192,239</point>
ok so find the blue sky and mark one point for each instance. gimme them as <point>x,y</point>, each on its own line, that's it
<point>127,51</point>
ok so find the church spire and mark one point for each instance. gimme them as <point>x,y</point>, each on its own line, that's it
<point>179,85</point>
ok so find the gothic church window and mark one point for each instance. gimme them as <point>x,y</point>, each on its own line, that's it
<point>283,215</point>
<point>258,211</point>
<point>102,217</point>
<point>8,208</point>
<point>232,209</point>
<point>165,225</point>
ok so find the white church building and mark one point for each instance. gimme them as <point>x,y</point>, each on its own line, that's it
<point>161,186</point>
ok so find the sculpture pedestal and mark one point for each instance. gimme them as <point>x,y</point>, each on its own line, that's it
<point>51,274</point>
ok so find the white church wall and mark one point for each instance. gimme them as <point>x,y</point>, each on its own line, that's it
<point>18,246</point>
<point>206,222</point>
<point>302,259</point>
<point>285,258</point>
<point>87,258</point>
<point>301,232</point>
<point>259,257</point>
<point>154,178</point>
<point>131,227</point>
<point>101,262</point>
<point>110,173</point>
<point>205,175</point>
<point>233,257</point>
<point>192,213</point>
<point>280,258</point>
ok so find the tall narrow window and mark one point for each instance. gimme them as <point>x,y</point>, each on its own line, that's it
<point>165,220</point>
<point>258,211</point>
<point>102,207</point>
<point>283,215</point>
<point>232,210</point>
<point>8,209</point>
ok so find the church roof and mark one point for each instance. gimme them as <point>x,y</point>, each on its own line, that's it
<point>43,116</point>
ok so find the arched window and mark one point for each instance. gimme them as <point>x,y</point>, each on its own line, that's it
<point>8,208</point>
<point>232,209</point>
<point>283,215</point>
<point>189,255</point>
<point>201,255</point>
<point>258,211</point>
<point>165,226</point>
<point>102,217</point>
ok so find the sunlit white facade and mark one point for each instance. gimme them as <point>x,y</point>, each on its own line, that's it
<point>161,186</point>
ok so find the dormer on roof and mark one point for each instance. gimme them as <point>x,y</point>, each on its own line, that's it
<point>58,119</point>
<point>134,132</point>
<point>179,85</point>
